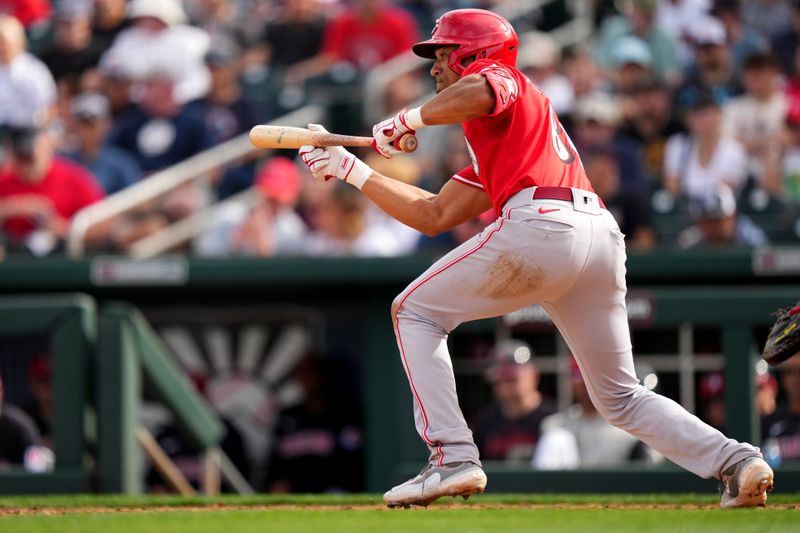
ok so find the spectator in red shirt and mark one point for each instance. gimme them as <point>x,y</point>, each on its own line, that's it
<point>365,36</point>
<point>41,192</point>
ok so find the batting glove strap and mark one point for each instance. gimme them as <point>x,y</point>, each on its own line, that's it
<point>351,170</point>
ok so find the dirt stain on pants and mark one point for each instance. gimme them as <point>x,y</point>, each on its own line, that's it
<point>509,276</point>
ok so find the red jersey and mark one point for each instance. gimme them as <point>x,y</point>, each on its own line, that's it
<point>369,43</point>
<point>69,187</point>
<point>520,143</point>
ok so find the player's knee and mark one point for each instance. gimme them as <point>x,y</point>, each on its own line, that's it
<point>616,408</point>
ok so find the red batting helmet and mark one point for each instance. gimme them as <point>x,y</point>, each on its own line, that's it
<point>477,32</point>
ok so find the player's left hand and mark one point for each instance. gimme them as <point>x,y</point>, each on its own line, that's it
<point>334,162</point>
<point>385,133</point>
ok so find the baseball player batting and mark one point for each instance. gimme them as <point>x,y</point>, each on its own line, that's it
<point>553,243</point>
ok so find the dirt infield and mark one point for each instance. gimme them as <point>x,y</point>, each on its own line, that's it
<point>57,511</point>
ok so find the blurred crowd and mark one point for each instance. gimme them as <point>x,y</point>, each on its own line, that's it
<point>686,113</point>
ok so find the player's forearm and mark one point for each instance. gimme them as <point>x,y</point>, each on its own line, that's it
<point>469,98</point>
<point>410,205</point>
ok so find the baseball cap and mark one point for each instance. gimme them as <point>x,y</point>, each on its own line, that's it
<point>170,12</point>
<point>90,106</point>
<point>598,107</point>
<point>707,31</point>
<point>222,52</point>
<point>279,179</point>
<point>537,50</point>
<point>507,358</point>
<point>631,50</point>
<point>716,204</point>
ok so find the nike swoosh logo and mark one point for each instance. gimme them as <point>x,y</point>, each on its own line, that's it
<point>543,211</point>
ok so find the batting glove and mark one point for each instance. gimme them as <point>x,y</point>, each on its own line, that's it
<point>334,162</point>
<point>385,133</point>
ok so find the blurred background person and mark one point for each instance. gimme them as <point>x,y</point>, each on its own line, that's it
<point>638,19</point>
<point>630,64</point>
<point>318,443</point>
<point>338,226</point>
<point>743,40</point>
<point>40,405</point>
<point>768,17</point>
<point>540,59</point>
<point>696,162</point>
<point>580,437</point>
<point>509,428</point>
<point>782,170</point>
<point>782,427</point>
<point>272,227</point>
<point>649,118</point>
<point>756,117</point>
<point>20,442</point>
<point>40,192</point>
<point>717,223</point>
<point>27,91</point>
<point>159,39</point>
<point>713,69</point>
<point>630,207</point>
<point>595,123</point>
<point>88,127</point>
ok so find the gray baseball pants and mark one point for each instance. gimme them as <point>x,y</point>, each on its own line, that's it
<point>570,258</point>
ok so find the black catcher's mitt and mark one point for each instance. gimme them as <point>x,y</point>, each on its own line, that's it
<point>784,337</point>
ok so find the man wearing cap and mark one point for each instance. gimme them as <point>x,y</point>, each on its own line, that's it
<point>631,62</point>
<point>579,437</point>
<point>159,39</point>
<point>27,89</point>
<point>783,426</point>
<point>713,68</point>
<point>509,428</point>
<point>90,121</point>
<point>718,224</point>
<point>41,192</point>
<point>72,49</point>
<point>18,434</point>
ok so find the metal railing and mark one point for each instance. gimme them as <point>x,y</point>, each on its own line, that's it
<point>193,168</point>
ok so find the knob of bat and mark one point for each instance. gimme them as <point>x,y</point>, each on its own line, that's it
<point>407,143</point>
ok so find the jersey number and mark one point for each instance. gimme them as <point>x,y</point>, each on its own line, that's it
<point>564,151</point>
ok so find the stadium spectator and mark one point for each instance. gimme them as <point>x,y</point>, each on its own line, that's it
<point>72,50</point>
<point>676,17</point>
<point>40,405</point>
<point>785,43</point>
<point>628,206</point>
<point>223,20</point>
<point>90,122</point>
<point>631,62</point>
<point>364,36</point>
<point>318,444</point>
<point>229,111</point>
<point>272,227</point>
<point>539,58</point>
<point>717,223</point>
<point>295,35</point>
<point>711,399</point>
<point>31,13</point>
<point>713,69</point>
<point>695,163</point>
<point>160,131</point>
<point>579,437</point>
<point>110,16</point>
<point>649,119</point>
<point>583,74</point>
<point>743,40</point>
<point>158,39</point>
<point>40,193</point>
<point>27,89</point>
<point>638,19</point>
<point>20,443</point>
<point>509,428</point>
<point>595,123</point>
<point>783,426</point>
<point>338,225</point>
<point>782,173</point>
<point>756,118</point>
<point>768,17</point>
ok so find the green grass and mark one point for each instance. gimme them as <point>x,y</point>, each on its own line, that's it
<point>315,513</point>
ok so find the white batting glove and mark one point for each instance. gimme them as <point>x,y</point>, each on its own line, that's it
<point>385,133</point>
<point>334,162</point>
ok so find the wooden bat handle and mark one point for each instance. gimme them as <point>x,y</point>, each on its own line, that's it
<point>264,136</point>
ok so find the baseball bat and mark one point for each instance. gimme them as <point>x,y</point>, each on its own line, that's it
<point>264,136</point>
